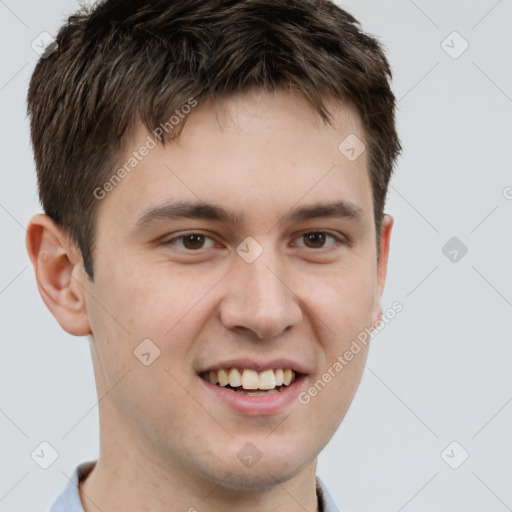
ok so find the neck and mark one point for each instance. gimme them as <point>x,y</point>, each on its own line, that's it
<point>132,487</point>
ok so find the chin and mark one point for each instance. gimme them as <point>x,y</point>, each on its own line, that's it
<point>249,469</point>
<point>257,479</point>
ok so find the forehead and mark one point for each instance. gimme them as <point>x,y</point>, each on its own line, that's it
<point>260,151</point>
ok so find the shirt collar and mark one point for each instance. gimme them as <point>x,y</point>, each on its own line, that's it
<point>69,500</point>
<point>325,501</point>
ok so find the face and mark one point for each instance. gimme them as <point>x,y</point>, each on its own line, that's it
<point>258,279</point>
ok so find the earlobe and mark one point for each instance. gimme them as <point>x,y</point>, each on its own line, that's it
<point>382,264</point>
<point>59,274</point>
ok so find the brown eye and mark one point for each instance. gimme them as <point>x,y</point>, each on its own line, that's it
<point>314,240</point>
<point>191,241</point>
<point>317,239</point>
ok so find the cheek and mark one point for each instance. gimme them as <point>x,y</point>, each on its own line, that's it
<point>154,302</point>
<point>341,389</point>
<point>345,306</point>
<point>326,401</point>
<point>344,303</point>
<point>169,308</point>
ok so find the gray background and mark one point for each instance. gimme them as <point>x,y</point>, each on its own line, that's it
<point>438,373</point>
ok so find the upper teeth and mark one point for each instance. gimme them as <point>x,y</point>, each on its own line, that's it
<point>251,379</point>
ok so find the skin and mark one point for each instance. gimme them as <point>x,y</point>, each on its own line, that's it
<point>165,445</point>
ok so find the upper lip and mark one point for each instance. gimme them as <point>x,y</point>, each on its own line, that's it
<point>257,365</point>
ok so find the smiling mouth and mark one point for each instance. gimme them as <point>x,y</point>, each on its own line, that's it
<point>246,381</point>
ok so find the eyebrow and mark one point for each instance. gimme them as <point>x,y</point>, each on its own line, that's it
<point>209,211</point>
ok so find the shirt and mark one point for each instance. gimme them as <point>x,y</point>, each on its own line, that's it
<point>69,500</point>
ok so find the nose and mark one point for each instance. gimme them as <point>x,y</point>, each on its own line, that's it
<point>260,301</point>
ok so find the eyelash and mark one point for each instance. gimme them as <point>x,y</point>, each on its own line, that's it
<point>337,240</point>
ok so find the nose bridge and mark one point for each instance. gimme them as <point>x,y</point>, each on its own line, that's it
<point>259,298</point>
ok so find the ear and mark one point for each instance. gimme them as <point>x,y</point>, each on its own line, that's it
<point>60,275</point>
<point>382,265</point>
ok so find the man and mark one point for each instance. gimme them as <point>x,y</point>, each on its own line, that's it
<point>213,175</point>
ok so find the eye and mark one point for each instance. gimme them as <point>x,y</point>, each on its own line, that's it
<point>195,242</point>
<point>191,241</point>
<point>317,239</point>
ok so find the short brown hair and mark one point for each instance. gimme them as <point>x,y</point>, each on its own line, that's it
<point>125,60</point>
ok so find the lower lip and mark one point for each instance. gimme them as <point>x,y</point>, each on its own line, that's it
<point>256,405</point>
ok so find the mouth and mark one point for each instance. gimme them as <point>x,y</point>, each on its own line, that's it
<point>249,382</point>
<point>254,387</point>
